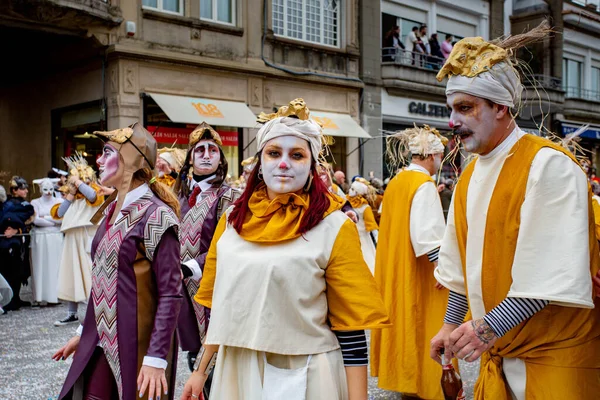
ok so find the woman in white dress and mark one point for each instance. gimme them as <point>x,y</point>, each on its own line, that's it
<point>367,226</point>
<point>46,244</point>
<point>289,293</point>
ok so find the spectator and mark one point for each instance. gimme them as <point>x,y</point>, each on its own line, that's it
<point>436,52</point>
<point>424,43</point>
<point>447,46</point>
<point>391,44</point>
<point>412,42</point>
<point>446,197</point>
<point>340,180</point>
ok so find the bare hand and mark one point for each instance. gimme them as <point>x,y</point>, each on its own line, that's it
<point>470,340</point>
<point>154,380</point>
<point>10,232</point>
<point>105,191</point>
<point>352,216</point>
<point>193,387</point>
<point>439,286</point>
<point>442,341</point>
<point>70,348</point>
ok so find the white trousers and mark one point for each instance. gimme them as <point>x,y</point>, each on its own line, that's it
<point>516,376</point>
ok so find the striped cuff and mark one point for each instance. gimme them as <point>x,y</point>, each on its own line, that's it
<point>511,312</point>
<point>434,254</point>
<point>354,347</point>
<point>457,309</point>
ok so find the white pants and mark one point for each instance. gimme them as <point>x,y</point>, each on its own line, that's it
<point>516,376</point>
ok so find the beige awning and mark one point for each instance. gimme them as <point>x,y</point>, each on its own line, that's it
<point>340,125</point>
<point>194,110</point>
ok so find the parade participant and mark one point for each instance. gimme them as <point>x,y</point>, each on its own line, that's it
<point>168,164</point>
<point>411,230</point>
<point>247,167</point>
<point>284,273</point>
<point>127,348</point>
<point>326,174</point>
<point>16,213</point>
<point>522,267</point>
<point>367,227</point>
<point>204,196</point>
<point>82,200</point>
<point>46,244</point>
<point>6,293</point>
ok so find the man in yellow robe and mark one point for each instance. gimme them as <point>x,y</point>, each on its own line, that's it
<point>519,249</point>
<point>412,227</point>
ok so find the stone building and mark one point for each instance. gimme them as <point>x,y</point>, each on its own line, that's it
<point>75,66</point>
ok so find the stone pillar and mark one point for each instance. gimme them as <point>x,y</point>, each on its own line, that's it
<point>370,73</point>
<point>496,20</point>
<point>123,102</point>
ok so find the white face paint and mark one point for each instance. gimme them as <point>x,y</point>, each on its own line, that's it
<point>47,188</point>
<point>285,162</point>
<point>206,157</point>
<point>357,188</point>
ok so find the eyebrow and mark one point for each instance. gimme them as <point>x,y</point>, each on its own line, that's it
<point>460,103</point>
<point>277,147</point>
<point>202,145</point>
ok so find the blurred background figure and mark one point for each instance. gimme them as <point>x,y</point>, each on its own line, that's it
<point>168,164</point>
<point>340,180</point>
<point>46,243</point>
<point>367,227</point>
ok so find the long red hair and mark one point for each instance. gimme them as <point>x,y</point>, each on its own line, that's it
<point>320,200</point>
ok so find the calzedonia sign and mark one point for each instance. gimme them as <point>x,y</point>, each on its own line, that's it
<point>428,109</point>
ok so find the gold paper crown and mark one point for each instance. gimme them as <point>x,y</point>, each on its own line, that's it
<point>78,164</point>
<point>177,154</point>
<point>297,107</point>
<point>470,57</point>
<point>118,135</point>
<point>199,132</point>
<point>248,161</point>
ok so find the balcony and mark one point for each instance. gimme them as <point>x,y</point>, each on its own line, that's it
<point>60,16</point>
<point>405,71</point>
<point>582,103</point>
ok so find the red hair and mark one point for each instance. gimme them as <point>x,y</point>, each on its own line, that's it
<point>320,200</point>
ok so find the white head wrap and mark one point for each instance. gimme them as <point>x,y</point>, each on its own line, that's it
<point>360,188</point>
<point>289,126</point>
<point>500,84</point>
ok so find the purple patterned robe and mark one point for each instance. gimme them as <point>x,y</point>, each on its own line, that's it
<point>187,326</point>
<point>148,302</point>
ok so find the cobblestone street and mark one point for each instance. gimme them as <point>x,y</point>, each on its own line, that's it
<point>28,339</point>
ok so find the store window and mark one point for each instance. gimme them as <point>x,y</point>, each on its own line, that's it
<point>72,131</point>
<point>222,11</point>
<point>595,92</point>
<point>572,77</point>
<point>168,6</point>
<point>315,21</point>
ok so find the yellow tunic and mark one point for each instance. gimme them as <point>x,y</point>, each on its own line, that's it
<point>596,207</point>
<point>400,355</point>
<point>559,345</point>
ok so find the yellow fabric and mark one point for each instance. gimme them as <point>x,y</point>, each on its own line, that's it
<point>54,211</point>
<point>471,56</point>
<point>99,199</point>
<point>596,208</point>
<point>166,180</point>
<point>556,336</point>
<point>400,355</point>
<point>352,296</point>
<point>369,218</point>
<point>277,220</point>
<point>357,201</point>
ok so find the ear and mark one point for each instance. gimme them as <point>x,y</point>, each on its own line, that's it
<point>501,111</point>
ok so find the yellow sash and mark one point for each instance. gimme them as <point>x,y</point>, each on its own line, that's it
<point>560,345</point>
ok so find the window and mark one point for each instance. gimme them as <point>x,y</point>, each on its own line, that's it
<point>315,21</point>
<point>572,77</point>
<point>168,6</point>
<point>222,11</point>
<point>595,92</point>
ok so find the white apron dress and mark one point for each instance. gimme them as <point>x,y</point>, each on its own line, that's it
<point>366,242</point>
<point>256,312</point>
<point>46,251</point>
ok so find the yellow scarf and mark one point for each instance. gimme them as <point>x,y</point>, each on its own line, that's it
<point>357,201</point>
<point>278,220</point>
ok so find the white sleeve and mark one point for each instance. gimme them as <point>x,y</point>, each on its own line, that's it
<point>552,254</point>
<point>426,220</point>
<point>449,271</point>
<point>195,268</point>
<point>155,362</point>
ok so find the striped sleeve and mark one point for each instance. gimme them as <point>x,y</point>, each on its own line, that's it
<point>354,347</point>
<point>434,254</point>
<point>511,312</point>
<point>457,309</point>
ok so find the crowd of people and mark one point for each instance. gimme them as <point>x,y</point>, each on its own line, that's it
<point>269,286</point>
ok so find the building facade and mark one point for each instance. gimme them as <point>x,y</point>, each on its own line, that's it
<point>85,65</point>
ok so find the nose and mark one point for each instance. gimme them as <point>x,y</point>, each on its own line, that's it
<point>451,124</point>
<point>283,165</point>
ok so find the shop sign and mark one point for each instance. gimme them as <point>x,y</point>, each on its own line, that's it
<point>208,110</point>
<point>428,109</point>
<point>170,135</point>
<point>326,123</point>
<point>592,132</point>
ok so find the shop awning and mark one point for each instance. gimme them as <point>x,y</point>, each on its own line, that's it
<point>194,110</point>
<point>340,125</point>
<point>592,132</point>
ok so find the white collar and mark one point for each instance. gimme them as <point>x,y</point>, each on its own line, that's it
<point>415,167</point>
<point>134,195</point>
<point>204,184</point>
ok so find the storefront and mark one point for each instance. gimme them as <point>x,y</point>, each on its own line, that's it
<point>589,139</point>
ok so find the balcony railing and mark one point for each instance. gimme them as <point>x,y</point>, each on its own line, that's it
<point>580,93</point>
<point>543,81</point>
<point>395,55</point>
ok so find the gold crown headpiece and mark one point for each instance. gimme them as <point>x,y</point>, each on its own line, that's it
<point>199,132</point>
<point>77,164</point>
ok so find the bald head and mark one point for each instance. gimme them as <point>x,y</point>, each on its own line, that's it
<point>340,177</point>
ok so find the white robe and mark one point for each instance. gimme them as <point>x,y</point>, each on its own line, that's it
<point>552,253</point>
<point>46,250</point>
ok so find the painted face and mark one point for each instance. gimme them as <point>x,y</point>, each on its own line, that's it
<point>162,166</point>
<point>286,162</point>
<point>357,188</point>
<point>47,188</point>
<point>206,157</point>
<point>108,163</point>
<point>474,122</point>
